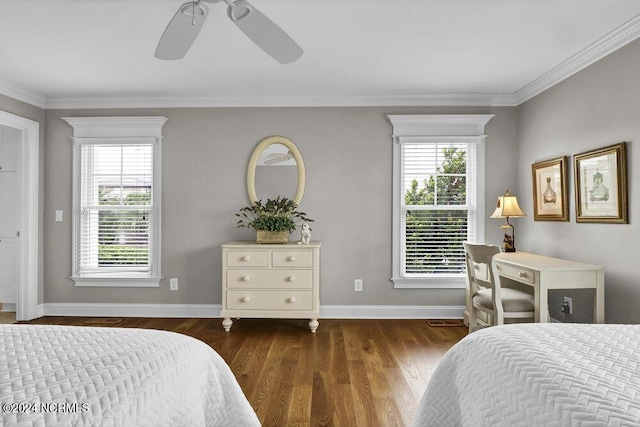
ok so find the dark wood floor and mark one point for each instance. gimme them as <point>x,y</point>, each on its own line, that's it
<point>350,373</point>
<point>7,317</point>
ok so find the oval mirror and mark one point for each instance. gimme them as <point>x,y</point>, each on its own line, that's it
<point>277,169</point>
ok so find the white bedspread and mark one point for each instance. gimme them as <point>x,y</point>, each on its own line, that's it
<point>538,374</point>
<point>115,377</point>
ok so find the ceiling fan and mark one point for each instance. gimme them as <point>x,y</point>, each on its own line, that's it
<point>188,20</point>
<point>275,158</point>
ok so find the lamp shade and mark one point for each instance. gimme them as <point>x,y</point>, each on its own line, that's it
<point>507,207</point>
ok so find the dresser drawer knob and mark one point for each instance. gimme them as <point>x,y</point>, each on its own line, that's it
<point>246,258</point>
<point>292,300</point>
<point>291,258</point>
<point>245,278</point>
<point>246,299</point>
<point>522,274</point>
<point>291,278</point>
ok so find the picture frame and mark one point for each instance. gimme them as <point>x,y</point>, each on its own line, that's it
<point>550,190</point>
<point>601,185</point>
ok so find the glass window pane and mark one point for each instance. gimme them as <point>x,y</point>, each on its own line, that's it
<point>434,174</point>
<point>452,190</point>
<point>114,238</point>
<point>433,241</point>
<point>420,193</point>
<point>118,177</point>
<point>139,196</point>
<point>452,158</point>
<point>420,164</point>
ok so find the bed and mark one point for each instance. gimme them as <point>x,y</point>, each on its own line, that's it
<point>69,375</point>
<point>537,374</point>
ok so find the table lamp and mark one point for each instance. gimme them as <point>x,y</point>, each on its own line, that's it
<point>507,207</point>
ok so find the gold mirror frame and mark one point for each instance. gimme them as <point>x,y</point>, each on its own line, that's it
<point>253,162</point>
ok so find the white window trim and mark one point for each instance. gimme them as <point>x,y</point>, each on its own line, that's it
<point>468,128</point>
<point>93,130</point>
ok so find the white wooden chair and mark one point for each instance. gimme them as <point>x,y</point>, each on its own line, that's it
<point>486,293</point>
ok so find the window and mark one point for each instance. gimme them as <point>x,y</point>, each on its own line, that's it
<point>438,197</point>
<point>116,219</point>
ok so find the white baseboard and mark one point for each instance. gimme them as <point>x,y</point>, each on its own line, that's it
<point>132,310</point>
<point>213,311</point>
<point>391,312</point>
<point>8,307</point>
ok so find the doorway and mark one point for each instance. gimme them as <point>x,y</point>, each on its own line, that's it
<point>22,223</point>
<point>9,143</point>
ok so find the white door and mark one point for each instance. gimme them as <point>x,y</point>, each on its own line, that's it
<point>9,144</point>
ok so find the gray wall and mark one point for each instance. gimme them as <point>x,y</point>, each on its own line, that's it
<point>347,153</point>
<point>594,108</point>
<point>36,114</point>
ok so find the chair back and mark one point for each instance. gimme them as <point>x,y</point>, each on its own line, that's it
<point>480,263</point>
<point>478,259</point>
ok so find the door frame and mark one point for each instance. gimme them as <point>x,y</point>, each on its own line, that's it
<point>28,210</point>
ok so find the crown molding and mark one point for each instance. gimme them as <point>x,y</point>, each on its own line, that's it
<point>621,36</point>
<point>19,93</point>
<point>279,101</point>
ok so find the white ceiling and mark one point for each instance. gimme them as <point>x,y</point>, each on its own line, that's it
<point>92,53</point>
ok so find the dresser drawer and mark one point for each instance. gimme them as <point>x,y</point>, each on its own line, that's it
<point>269,279</point>
<point>302,258</point>
<point>247,258</point>
<point>269,300</point>
<point>516,273</point>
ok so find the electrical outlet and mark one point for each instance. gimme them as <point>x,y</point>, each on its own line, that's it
<point>173,284</point>
<point>569,302</point>
<point>357,285</point>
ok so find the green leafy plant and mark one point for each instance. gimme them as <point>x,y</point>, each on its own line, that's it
<point>279,214</point>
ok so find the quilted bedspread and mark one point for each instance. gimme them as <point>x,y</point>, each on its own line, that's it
<point>538,374</point>
<point>76,376</point>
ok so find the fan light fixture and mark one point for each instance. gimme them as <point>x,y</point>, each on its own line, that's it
<point>507,207</point>
<point>194,9</point>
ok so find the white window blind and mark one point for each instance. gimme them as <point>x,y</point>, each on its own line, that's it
<point>116,209</point>
<point>438,207</point>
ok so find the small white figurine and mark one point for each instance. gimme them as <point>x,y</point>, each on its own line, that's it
<point>305,234</point>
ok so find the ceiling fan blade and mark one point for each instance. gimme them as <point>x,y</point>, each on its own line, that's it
<point>264,32</point>
<point>182,31</point>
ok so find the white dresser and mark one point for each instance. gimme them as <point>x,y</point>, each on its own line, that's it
<point>270,281</point>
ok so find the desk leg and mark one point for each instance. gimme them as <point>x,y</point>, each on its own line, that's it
<point>543,306</point>
<point>536,304</point>
<point>598,299</point>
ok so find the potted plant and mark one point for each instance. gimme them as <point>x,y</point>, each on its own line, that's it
<point>273,220</point>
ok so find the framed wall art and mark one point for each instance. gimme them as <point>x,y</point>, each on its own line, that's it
<point>550,194</point>
<point>601,185</point>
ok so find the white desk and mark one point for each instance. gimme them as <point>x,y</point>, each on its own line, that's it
<point>544,273</point>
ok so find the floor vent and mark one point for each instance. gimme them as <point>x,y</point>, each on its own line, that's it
<point>104,321</point>
<point>445,322</point>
